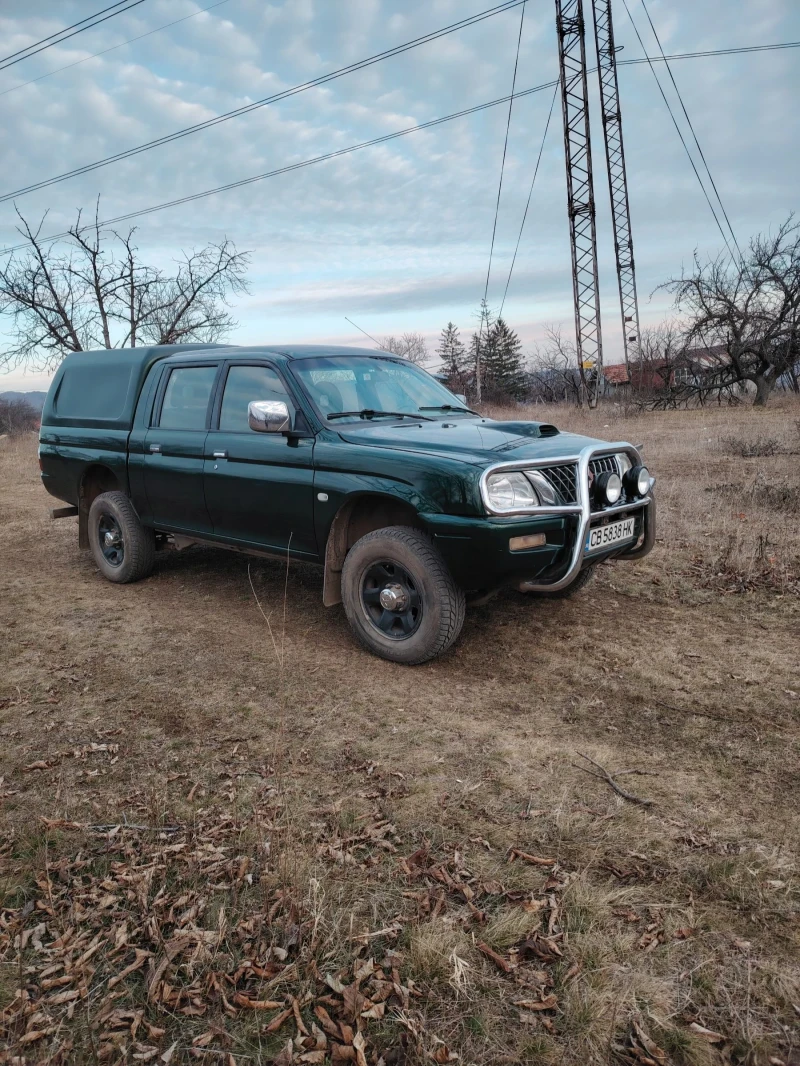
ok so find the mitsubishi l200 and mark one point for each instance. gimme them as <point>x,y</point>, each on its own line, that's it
<point>347,457</point>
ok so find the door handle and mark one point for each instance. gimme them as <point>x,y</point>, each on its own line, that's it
<point>219,455</point>
<point>155,447</point>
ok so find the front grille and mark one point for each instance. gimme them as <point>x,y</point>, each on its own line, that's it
<point>562,478</point>
<point>605,464</point>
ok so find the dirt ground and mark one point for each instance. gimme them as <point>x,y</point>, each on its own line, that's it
<point>337,859</point>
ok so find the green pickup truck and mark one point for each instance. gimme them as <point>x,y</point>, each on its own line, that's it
<point>346,457</point>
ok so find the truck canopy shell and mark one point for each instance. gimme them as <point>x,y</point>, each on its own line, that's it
<point>99,389</point>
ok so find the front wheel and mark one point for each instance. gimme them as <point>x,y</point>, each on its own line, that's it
<point>123,548</point>
<point>399,597</point>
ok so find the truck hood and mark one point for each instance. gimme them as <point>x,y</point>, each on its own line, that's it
<point>479,441</point>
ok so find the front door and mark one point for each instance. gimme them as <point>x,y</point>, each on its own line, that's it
<point>174,449</point>
<point>259,487</point>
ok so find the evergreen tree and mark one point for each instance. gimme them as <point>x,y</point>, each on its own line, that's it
<point>502,360</point>
<point>478,345</point>
<point>451,351</point>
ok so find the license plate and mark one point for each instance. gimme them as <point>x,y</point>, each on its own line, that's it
<point>602,537</point>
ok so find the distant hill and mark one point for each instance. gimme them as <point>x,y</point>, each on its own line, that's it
<point>34,399</point>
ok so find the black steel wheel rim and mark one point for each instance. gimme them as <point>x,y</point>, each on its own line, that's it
<point>391,600</point>
<point>110,536</point>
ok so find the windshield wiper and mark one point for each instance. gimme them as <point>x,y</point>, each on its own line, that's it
<point>369,413</point>
<point>450,407</point>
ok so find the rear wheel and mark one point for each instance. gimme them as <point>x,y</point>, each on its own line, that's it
<point>123,548</point>
<point>399,597</point>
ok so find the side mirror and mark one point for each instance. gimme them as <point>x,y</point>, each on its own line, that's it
<point>460,396</point>
<point>268,416</point>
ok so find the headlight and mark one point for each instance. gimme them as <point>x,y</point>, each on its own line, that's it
<point>544,490</point>
<point>623,463</point>
<point>637,481</point>
<point>510,492</point>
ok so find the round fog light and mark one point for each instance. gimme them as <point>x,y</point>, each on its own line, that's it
<point>609,487</point>
<point>637,481</point>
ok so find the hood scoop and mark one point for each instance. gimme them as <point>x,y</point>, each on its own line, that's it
<point>523,432</point>
<point>528,429</point>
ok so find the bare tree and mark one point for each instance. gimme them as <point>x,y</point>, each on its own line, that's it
<point>747,314</point>
<point>410,346</point>
<point>91,290</point>
<point>555,377</point>
<point>659,355</point>
<point>17,416</point>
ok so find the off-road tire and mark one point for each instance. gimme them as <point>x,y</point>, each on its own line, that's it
<point>442,614</point>
<point>580,582</point>
<point>139,543</point>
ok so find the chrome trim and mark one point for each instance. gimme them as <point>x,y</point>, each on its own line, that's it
<point>582,462</point>
<point>583,507</point>
<point>618,508</point>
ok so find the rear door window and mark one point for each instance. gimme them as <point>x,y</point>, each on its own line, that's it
<point>244,385</point>
<point>187,397</point>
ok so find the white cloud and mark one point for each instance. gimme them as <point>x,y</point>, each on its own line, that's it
<point>399,232</point>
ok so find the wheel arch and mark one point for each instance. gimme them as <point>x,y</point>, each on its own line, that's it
<point>358,515</point>
<point>96,478</point>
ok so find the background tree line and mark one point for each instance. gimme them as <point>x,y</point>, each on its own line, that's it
<point>737,329</point>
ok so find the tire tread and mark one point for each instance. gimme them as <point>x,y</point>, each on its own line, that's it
<point>450,597</point>
<point>140,545</point>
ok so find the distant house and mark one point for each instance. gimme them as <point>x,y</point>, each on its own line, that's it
<point>690,367</point>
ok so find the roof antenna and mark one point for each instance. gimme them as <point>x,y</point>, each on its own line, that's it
<point>352,323</point>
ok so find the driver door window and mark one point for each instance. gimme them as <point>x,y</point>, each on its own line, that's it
<point>245,384</point>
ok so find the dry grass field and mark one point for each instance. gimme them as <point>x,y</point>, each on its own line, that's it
<point>230,836</point>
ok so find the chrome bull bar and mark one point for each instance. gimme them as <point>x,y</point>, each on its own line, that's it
<point>583,508</point>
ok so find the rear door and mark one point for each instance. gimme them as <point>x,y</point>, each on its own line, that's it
<point>259,487</point>
<point>174,447</point>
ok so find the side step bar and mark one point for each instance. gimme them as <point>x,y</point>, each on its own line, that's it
<point>63,512</point>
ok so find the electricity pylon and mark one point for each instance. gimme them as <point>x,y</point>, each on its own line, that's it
<point>617,177</point>
<point>571,29</point>
<point>580,191</point>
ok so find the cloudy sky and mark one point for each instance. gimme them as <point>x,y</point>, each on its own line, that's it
<point>396,236</point>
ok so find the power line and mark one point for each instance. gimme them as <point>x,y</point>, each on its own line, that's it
<point>507,5</point>
<point>58,33</point>
<point>620,63</point>
<point>691,127</point>
<point>713,52</point>
<point>342,151</point>
<point>103,52</point>
<point>63,35</point>
<point>530,194</point>
<point>299,165</point>
<point>345,70</point>
<point>680,133</point>
<point>503,162</point>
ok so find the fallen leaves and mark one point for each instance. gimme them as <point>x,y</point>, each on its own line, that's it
<point>547,1003</point>
<point>497,959</point>
<point>534,860</point>
<point>142,918</point>
<point>81,753</point>
<point>708,1035</point>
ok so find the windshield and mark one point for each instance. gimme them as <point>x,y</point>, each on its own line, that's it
<point>363,386</point>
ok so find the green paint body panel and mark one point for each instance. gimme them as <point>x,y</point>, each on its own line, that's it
<point>270,492</point>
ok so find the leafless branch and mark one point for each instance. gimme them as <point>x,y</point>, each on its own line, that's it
<point>604,775</point>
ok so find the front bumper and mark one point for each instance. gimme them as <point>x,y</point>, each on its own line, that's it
<point>477,549</point>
